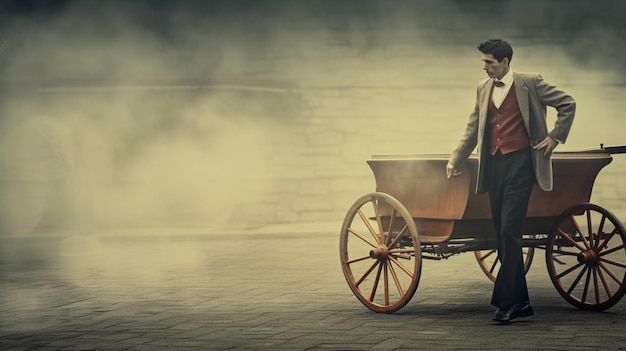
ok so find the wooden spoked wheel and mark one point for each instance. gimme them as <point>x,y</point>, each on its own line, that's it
<point>380,253</point>
<point>490,263</point>
<point>586,257</point>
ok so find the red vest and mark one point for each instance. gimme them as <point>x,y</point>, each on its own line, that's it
<point>505,126</point>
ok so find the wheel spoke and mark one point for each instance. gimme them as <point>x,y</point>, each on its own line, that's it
<point>586,289</point>
<point>600,229</point>
<point>490,264</point>
<point>401,266</point>
<point>570,270</point>
<point>396,280</point>
<point>589,230</point>
<point>567,237</point>
<point>595,285</point>
<point>580,232</point>
<point>369,225</point>
<point>376,280</point>
<point>366,274</point>
<point>606,240</point>
<point>613,262</point>
<point>611,250</point>
<point>379,222</point>
<point>360,236</point>
<point>389,230</point>
<point>566,253</point>
<point>491,252</point>
<point>400,234</point>
<point>610,273</point>
<point>494,265</point>
<point>358,259</point>
<point>604,282</point>
<point>386,281</point>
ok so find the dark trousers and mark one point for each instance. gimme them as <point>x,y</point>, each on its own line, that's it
<point>511,180</point>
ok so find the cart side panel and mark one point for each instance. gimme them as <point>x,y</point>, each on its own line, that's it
<point>477,204</point>
<point>444,207</point>
<point>420,184</point>
<point>574,174</point>
<point>573,184</point>
<point>432,231</point>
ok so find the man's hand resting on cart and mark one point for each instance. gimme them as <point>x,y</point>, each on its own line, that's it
<point>451,171</point>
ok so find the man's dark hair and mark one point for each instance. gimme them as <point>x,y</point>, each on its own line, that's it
<point>498,48</point>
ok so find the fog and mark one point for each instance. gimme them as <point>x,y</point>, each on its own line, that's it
<point>234,114</point>
<point>126,125</point>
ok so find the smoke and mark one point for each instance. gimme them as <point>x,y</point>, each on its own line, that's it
<point>588,29</point>
<point>142,118</point>
<point>151,113</point>
<point>131,120</point>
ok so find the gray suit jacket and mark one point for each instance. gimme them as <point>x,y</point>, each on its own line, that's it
<point>533,95</point>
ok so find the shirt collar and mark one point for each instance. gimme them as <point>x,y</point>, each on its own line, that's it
<point>508,78</point>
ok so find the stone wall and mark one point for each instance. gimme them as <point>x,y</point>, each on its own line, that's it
<point>403,83</point>
<point>294,97</point>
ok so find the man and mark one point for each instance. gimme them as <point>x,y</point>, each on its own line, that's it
<point>508,125</point>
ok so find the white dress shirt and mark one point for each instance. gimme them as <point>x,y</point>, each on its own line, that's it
<point>499,93</point>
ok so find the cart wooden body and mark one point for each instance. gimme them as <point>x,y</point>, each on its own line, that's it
<point>442,217</point>
<point>445,209</point>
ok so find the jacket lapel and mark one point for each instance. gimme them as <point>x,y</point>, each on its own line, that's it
<point>485,96</point>
<point>522,99</point>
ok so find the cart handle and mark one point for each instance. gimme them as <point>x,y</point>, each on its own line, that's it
<point>614,149</point>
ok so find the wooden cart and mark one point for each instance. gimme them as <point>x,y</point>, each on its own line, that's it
<point>416,212</point>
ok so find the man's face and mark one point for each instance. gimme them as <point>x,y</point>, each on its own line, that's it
<point>494,68</point>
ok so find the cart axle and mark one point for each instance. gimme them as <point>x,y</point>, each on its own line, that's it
<point>380,253</point>
<point>589,256</point>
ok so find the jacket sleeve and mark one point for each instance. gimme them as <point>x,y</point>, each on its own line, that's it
<point>469,140</point>
<point>565,105</point>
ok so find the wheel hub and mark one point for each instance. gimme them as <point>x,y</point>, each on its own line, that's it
<point>380,253</point>
<point>588,256</point>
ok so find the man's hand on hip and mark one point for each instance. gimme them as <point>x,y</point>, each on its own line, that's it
<point>548,143</point>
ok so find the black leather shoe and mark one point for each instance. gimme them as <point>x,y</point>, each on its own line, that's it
<point>519,310</point>
<point>502,316</point>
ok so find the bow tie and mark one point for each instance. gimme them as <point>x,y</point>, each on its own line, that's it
<point>498,83</point>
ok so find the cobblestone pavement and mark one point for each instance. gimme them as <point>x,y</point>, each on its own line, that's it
<point>277,290</point>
